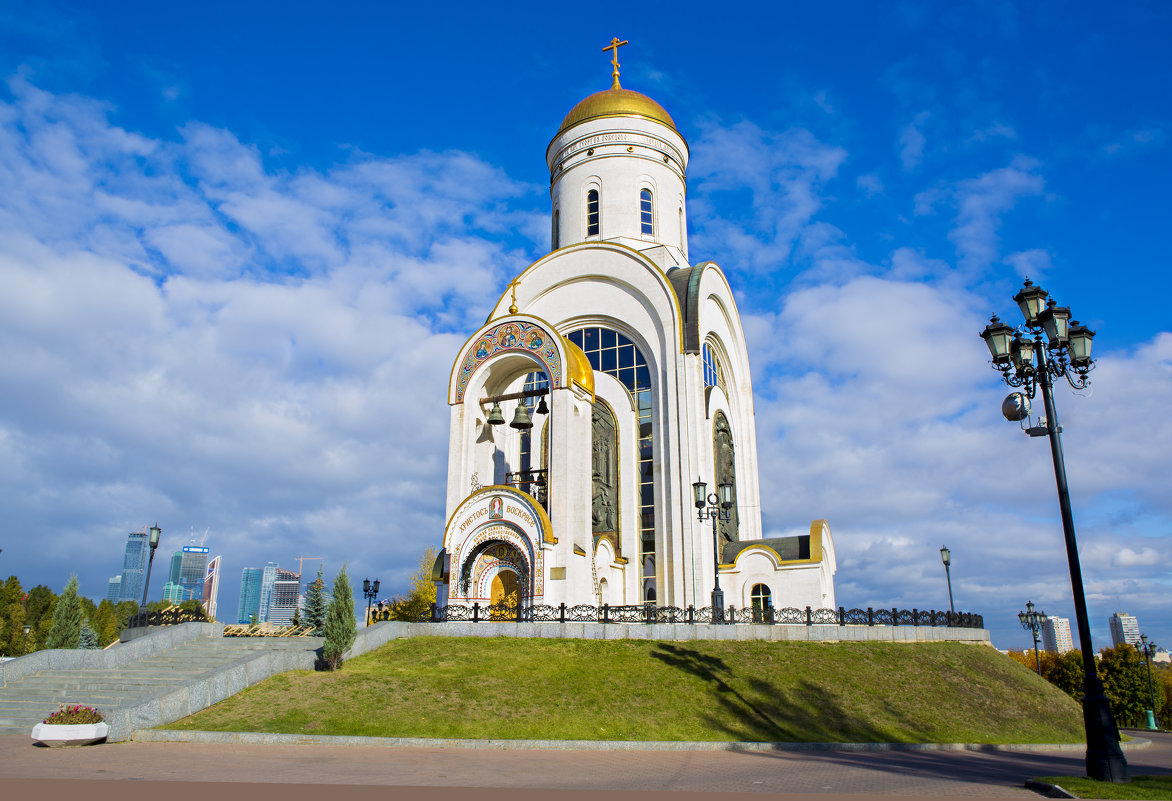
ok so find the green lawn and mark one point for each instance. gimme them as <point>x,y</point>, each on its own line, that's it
<point>644,690</point>
<point>1140,787</point>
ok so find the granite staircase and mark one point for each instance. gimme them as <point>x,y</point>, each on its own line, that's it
<point>149,681</point>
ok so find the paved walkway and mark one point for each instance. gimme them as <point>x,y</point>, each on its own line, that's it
<point>146,770</point>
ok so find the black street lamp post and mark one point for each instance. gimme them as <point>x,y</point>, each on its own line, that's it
<point>717,509</point>
<point>156,532</point>
<point>1032,621</point>
<point>1069,348</point>
<point>1148,649</point>
<point>24,648</point>
<point>370,590</point>
<point>946,558</point>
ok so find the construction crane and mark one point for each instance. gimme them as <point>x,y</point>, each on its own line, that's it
<point>301,560</point>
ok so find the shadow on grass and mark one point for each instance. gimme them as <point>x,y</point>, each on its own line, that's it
<point>756,710</point>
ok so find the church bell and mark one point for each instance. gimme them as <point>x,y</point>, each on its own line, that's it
<point>541,407</point>
<point>495,416</point>
<point>521,417</point>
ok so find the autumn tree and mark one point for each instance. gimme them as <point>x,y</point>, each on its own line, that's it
<point>1125,683</point>
<point>416,604</point>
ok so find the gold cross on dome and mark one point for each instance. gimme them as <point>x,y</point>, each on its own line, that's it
<point>513,286</point>
<point>615,44</point>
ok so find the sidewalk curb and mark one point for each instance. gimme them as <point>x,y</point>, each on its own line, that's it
<point>1048,790</point>
<point>259,738</point>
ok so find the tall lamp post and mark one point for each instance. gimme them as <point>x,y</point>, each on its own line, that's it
<point>717,509</point>
<point>156,532</point>
<point>1032,621</point>
<point>370,590</point>
<point>24,648</point>
<point>946,558</point>
<point>1148,649</point>
<point>1025,362</point>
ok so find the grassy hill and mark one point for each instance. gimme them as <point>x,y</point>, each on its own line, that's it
<point>644,690</point>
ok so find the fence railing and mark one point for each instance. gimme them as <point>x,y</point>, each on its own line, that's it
<point>172,616</point>
<point>585,613</point>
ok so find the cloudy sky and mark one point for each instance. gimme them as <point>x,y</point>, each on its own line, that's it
<point>240,246</point>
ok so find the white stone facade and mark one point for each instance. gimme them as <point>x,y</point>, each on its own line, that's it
<point>649,389</point>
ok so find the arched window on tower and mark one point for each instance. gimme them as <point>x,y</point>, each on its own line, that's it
<point>556,235</point>
<point>713,374</point>
<point>592,213</point>
<point>532,476</point>
<point>646,217</point>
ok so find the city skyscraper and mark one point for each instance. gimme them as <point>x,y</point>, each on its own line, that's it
<point>266,590</point>
<point>248,608</point>
<point>1056,635</point>
<point>1124,628</point>
<point>192,568</point>
<point>114,589</point>
<point>211,588</point>
<point>134,559</point>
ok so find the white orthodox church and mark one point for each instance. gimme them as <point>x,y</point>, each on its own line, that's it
<point>611,375</point>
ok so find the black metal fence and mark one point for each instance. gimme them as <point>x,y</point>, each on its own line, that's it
<point>172,616</point>
<point>585,613</point>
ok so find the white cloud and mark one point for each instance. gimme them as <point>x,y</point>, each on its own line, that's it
<point>912,141</point>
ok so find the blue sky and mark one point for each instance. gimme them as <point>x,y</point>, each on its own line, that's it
<point>240,247</point>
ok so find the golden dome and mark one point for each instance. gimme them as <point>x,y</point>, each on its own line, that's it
<point>617,102</point>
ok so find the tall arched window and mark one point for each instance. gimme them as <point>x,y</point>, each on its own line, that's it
<point>646,217</point>
<point>555,236</point>
<point>612,353</point>
<point>592,213</point>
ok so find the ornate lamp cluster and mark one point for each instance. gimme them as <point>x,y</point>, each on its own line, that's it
<point>1020,353</point>
<point>715,507</point>
<point>1031,620</point>
<point>1025,361</point>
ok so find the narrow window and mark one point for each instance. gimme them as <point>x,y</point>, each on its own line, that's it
<point>592,213</point>
<point>645,217</point>
<point>555,229</point>
<point>762,600</point>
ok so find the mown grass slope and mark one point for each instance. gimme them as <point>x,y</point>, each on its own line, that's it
<point>647,690</point>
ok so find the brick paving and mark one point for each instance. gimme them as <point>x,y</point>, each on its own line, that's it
<point>672,774</point>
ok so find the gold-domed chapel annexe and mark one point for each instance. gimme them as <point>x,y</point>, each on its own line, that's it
<point>610,376</point>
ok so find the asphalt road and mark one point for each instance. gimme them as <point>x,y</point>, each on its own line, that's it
<point>215,772</point>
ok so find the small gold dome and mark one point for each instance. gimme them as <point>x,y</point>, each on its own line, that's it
<point>617,102</point>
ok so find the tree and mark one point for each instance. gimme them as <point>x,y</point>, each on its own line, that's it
<point>1064,671</point>
<point>416,604</point>
<point>341,627</point>
<point>316,604</point>
<point>1125,683</point>
<point>67,618</point>
<point>87,638</point>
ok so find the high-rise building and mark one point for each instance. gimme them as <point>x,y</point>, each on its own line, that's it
<point>1056,635</point>
<point>266,590</point>
<point>114,590</point>
<point>211,587</point>
<point>134,560</point>
<point>285,594</point>
<point>1124,628</point>
<point>173,592</point>
<point>193,567</point>
<point>248,609</point>
<point>176,564</point>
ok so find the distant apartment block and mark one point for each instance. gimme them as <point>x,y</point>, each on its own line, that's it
<point>1124,628</point>
<point>1056,635</point>
<point>284,599</point>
